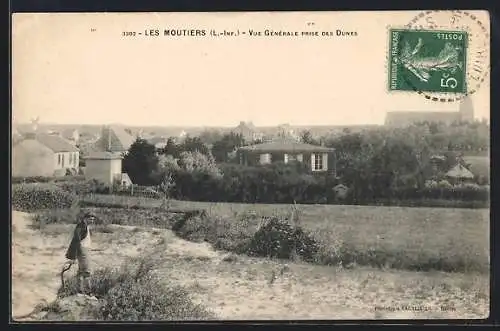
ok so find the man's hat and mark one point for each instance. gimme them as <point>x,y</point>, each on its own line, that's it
<point>88,215</point>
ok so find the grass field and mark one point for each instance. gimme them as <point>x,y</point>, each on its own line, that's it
<point>409,238</point>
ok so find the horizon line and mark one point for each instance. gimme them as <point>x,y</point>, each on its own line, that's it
<point>200,126</point>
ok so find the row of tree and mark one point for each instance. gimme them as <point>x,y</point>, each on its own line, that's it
<point>376,163</point>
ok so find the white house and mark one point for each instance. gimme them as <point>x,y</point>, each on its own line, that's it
<point>106,167</point>
<point>41,154</point>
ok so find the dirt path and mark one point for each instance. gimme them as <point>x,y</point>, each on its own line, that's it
<point>241,288</point>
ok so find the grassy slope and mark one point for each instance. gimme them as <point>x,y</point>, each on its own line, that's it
<point>460,236</point>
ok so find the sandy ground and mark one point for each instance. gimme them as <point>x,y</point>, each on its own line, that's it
<point>37,258</point>
<point>243,287</point>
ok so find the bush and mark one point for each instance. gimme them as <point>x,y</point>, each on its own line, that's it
<point>277,238</point>
<point>134,293</point>
<point>147,299</point>
<point>31,197</point>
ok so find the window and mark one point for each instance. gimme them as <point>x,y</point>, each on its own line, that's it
<point>70,159</point>
<point>293,157</point>
<point>62,159</point>
<point>58,159</point>
<point>319,162</point>
<point>265,158</point>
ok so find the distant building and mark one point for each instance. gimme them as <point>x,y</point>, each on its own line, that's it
<point>106,168</point>
<point>405,118</point>
<point>248,131</point>
<point>287,132</point>
<point>72,135</point>
<point>320,159</point>
<point>113,139</point>
<point>41,154</point>
<point>466,110</point>
<point>459,174</point>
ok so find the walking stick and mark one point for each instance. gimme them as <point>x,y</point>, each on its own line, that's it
<point>67,265</point>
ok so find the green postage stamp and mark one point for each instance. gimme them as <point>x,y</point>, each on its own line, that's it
<point>427,61</point>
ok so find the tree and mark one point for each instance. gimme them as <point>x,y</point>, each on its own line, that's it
<point>227,144</point>
<point>141,162</point>
<point>198,162</point>
<point>194,144</point>
<point>171,148</point>
<point>307,138</point>
<point>209,137</point>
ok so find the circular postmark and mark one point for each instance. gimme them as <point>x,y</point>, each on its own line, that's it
<point>442,55</point>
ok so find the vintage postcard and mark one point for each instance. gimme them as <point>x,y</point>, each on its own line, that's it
<point>250,166</point>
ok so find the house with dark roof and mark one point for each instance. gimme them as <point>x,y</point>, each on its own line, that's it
<point>41,154</point>
<point>248,131</point>
<point>113,139</point>
<point>319,158</point>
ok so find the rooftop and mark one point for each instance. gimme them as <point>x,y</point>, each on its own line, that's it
<point>459,171</point>
<point>115,139</point>
<point>285,145</point>
<point>54,142</point>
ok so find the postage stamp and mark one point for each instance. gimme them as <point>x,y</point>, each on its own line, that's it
<point>424,60</point>
<point>442,55</point>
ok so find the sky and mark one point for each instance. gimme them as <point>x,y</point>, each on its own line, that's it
<point>66,72</point>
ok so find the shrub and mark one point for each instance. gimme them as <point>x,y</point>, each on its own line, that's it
<point>147,299</point>
<point>134,293</point>
<point>277,238</point>
<point>31,197</point>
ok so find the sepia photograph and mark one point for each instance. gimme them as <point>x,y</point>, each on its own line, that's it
<point>250,166</point>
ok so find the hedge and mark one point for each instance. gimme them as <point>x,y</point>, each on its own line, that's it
<point>31,197</point>
<point>286,184</point>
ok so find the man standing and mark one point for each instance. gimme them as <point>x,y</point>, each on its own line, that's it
<point>79,250</point>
